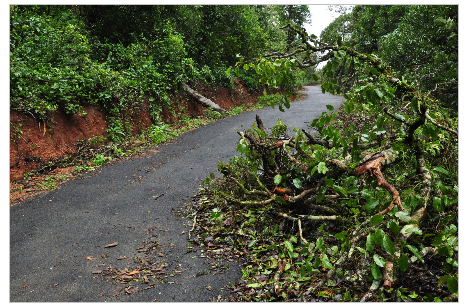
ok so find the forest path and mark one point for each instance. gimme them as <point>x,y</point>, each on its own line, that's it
<point>58,240</point>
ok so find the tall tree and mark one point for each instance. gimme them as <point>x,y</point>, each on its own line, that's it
<point>297,15</point>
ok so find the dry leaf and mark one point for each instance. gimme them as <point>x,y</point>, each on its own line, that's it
<point>133,272</point>
<point>126,277</point>
<point>90,258</point>
<point>111,245</point>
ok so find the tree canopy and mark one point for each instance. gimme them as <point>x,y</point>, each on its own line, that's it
<point>114,55</point>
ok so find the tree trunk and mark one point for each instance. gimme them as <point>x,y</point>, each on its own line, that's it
<point>202,100</point>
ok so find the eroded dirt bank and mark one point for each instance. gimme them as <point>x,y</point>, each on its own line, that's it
<point>40,142</point>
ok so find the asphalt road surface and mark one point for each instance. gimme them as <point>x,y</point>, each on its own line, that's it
<point>58,241</point>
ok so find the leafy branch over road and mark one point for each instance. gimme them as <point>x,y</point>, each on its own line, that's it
<point>299,210</point>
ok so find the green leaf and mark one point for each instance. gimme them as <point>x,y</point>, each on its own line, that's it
<point>437,203</point>
<point>371,204</point>
<point>322,168</point>
<point>369,95</point>
<point>376,220</point>
<point>444,250</point>
<point>309,267</point>
<point>297,183</point>
<point>329,182</point>
<point>452,284</point>
<point>252,243</point>
<point>394,227</point>
<point>403,216</point>
<point>313,171</point>
<point>330,107</point>
<point>416,104</point>
<point>349,107</point>
<point>441,170</point>
<point>319,243</point>
<point>228,71</point>
<point>369,243</point>
<point>376,271</point>
<point>411,229</point>
<point>341,235</point>
<point>403,262</point>
<point>254,285</point>
<point>444,279</point>
<point>379,260</point>
<point>277,179</point>
<point>379,93</point>
<point>341,191</point>
<point>387,245</point>
<point>289,246</point>
<point>378,236</point>
<point>415,251</point>
<point>316,78</point>
<point>325,261</point>
<point>361,250</point>
<point>241,146</point>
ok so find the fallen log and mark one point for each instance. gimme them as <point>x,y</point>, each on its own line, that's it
<point>201,99</point>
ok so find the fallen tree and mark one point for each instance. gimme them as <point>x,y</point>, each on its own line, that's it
<point>201,99</point>
<point>349,213</point>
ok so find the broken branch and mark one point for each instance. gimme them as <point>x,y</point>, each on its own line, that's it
<point>372,167</point>
<point>202,100</point>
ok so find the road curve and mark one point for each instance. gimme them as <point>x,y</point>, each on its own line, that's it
<point>133,203</point>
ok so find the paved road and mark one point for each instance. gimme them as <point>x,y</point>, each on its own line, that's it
<point>51,236</point>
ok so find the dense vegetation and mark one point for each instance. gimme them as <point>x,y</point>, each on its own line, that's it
<point>365,205</point>
<point>64,57</point>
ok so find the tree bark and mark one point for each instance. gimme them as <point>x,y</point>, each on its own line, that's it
<point>202,100</point>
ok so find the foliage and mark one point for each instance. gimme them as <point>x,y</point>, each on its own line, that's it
<point>65,57</point>
<point>310,228</point>
<point>297,15</point>
<point>160,133</point>
<point>426,53</point>
<point>339,30</point>
<point>419,43</point>
<point>299,210</point>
